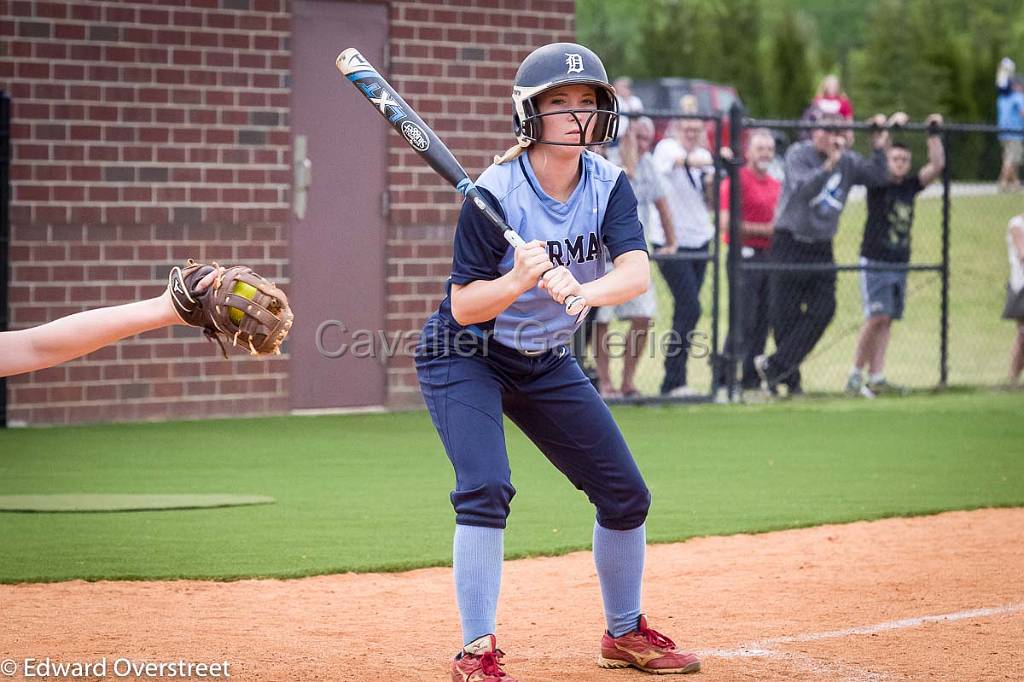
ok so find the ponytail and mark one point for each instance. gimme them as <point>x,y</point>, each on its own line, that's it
<point>513,153</point>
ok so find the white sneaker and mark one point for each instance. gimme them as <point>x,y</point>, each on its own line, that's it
<point>761,366</point>
<point>722,396</point>
<point>683,392</point>
<point>855,386</point>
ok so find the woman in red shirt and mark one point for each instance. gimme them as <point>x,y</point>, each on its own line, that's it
<point>830,99</point>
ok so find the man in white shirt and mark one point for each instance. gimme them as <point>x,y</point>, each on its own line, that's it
<point>689,169</point>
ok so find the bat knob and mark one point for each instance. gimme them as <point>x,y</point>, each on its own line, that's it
<point>574,305</point>
<point>350,61</point>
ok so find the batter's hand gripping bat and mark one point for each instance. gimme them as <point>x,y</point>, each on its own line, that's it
<point>424,142</point>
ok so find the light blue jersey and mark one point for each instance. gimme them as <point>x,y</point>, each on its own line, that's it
<point>600,211</point>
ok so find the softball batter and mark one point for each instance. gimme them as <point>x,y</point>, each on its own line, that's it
<point>497,345</point>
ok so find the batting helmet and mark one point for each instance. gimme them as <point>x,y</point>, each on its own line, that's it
<point>559,64</point>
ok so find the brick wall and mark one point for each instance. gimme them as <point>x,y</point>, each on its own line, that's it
<point>454,62</point>
<point>144,133</point>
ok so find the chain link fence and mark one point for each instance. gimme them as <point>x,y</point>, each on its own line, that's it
<point>979,340</point>
<point>950,332</point>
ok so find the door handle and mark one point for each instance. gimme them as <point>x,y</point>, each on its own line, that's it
<point>302,176</point>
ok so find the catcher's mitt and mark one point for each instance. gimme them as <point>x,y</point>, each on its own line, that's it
<point>239,305</point>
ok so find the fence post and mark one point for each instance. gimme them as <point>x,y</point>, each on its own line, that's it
<point>944,314</point>
<point>735,269</point>
<point>5,229</point>
<point>716,265</point>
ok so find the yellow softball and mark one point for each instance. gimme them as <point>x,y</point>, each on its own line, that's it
<point>245,291</point>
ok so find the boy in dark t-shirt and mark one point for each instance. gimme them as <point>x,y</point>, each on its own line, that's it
<point>891,213</point>
<point>886,244</point>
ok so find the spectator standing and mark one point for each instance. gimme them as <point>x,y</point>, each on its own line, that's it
<point>1014,309</point>
<point>760,194</point>
<point>650,190</point>
<point>1010,114</point>
<point>819,175</point>
<point>887,242</point>
<point>830,98</point>
<point>689,169</point>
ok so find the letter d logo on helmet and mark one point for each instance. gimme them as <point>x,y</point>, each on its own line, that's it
<point>559,64</point>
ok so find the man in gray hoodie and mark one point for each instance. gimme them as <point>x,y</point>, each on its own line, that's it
<point>819,174</point>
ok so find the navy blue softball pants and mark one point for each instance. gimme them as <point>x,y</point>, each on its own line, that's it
<point>468,382</point>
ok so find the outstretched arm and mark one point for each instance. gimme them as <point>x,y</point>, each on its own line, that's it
<point>936,154</point>
<point>874,170</point>
<point>1003,75</point>
<point>27,350</point>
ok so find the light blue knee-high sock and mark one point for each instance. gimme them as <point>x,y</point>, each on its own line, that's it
<point>619,557</point>
<point>477,555</point>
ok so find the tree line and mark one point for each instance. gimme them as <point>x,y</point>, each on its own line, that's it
<point>917,56</point>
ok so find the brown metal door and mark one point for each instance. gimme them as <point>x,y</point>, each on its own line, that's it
<point>338,245</point>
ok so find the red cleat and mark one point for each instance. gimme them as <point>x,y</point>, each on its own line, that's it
<point>480,661</point>
<point>647,650</point>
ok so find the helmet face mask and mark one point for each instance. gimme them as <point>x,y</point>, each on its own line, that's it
<point>561,64</point>
<point>602,123</point>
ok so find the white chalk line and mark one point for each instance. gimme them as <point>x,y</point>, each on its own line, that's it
<point>807,663</point>
<point>763,648</point>
<point>826,668</point>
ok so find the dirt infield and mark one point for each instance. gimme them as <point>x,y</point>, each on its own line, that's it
<point>938,597</point>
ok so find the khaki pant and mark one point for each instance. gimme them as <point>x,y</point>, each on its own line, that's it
<point>1013,152</point>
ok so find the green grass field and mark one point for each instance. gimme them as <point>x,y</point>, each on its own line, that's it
<point>979,340</point>
<point>359,493</point>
